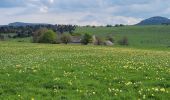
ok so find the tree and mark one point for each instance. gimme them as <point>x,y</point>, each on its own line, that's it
<point>48,37</point>
<point>86,38</point>
<point>121,25</point>
<point>124,41</point>
<point>29,30</point>
<point>108,25</point>
<point>117,25</point>
<point>37,34</point>
<point>65,38</point>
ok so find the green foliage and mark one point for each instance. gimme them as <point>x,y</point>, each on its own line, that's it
<point>108,25</point>
<point>86,38</point>
<point>37,34</point>
<point>48,37</point>
<point>138,36</point>
<point>66,38</point>
<point>74,72</point>
<point>123,41</point>
<point>2,37</point>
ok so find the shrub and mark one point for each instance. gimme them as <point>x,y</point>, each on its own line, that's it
<point>124,41</point>
<point>2,37</point>
<point>48,37</point>
<point>86,38</point>
<point>65,38</point>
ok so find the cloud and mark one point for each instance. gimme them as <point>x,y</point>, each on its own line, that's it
<point>51,1</point>
<point>82,12</point>
<point>44,9</point>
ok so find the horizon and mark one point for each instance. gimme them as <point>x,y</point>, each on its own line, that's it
<point>79,12</point>
<point>79,25</point>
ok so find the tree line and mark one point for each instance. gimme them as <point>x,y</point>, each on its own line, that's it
<point>29,30</point>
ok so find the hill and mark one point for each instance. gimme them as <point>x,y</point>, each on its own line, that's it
<point>157,20</point>
<point>25,24</point>
<point>151,36</point>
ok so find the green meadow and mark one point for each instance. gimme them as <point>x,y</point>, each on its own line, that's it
<point>138,36</point>
<point>141,70</point>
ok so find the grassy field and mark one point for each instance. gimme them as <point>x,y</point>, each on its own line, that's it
<point>143,37</point>
<point>45,71</point>
<point>139,36</point>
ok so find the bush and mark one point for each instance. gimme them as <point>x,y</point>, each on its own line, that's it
<point>2,37</point>
<point>124,41</point>
<point>86,38</point>
<point>48,37</point>
<point>65,38</point>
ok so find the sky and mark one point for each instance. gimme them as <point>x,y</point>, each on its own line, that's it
<point>82,12</point>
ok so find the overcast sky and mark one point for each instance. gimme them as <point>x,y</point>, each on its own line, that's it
<point>82,12</point>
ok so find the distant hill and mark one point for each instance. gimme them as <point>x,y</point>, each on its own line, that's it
<point>155,21</point>
<point>25,24</point>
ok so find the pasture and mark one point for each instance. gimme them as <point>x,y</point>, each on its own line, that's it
<point>49,71</point>
<point>139,36</point>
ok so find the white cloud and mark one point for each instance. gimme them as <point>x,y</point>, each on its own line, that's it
<point>51,1</point>
<point>44,9</point>
<point>82,12</point>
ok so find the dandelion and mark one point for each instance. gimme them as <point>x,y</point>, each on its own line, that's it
<point>128,83</point>
<point>115,93</point>
<point>18,65</point>
<point>34,70</point>
<point>125,66</point>
<point>70,83</point>
<point>162,89</point>
<point>32,98</point>
<point>156,89</point>
<point>144,96</point>
<point>152,94</point>
<point>109,90</point>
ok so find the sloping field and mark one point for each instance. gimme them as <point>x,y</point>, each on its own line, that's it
<point>139,36</point>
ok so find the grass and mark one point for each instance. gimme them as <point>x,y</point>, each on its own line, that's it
<point>143,37</point>
<point>139,36</point>
<point>45,71</point>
